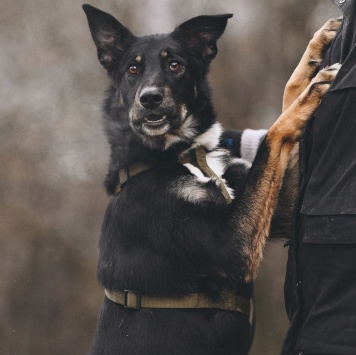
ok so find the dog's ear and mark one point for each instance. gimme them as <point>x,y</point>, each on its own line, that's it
<point>109,35</point>
<point>201,33</point>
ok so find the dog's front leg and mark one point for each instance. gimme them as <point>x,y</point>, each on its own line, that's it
<point>281,225</point>
<point>300,79</point>
<point>254,207</point>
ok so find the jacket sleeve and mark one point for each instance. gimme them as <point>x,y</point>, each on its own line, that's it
<point>243,144</point>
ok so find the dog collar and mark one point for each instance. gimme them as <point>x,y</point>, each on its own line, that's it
<point>132,170</point>
<point>228,301</point>
<point>196,157</point>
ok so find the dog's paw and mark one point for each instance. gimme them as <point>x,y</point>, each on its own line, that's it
<point>309,64</point>
<point>321,42</point>
<point>322,81</point>
<point>290,124</point>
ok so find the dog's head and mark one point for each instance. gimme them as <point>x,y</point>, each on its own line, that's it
<point>160,80</point>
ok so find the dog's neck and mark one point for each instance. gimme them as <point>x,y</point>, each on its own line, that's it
<point>139,152</point>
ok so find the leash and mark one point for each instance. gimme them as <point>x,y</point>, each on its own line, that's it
<point>196,157</point>
<point>227,301</point>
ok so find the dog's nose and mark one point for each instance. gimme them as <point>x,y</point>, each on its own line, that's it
<point>151,97</point>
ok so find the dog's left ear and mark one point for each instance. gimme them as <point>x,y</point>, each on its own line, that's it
<point>201,33</point>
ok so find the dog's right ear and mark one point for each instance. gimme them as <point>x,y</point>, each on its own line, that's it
<point>109,35</point>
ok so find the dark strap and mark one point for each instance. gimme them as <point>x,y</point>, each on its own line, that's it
<point>126,173</point>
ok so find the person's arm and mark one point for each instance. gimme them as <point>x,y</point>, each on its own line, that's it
<point>243,144</point>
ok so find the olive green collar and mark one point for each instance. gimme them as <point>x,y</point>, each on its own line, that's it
<point>196,157</point>
<point>228,300</point>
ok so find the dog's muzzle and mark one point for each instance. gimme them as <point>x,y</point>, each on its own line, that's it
<point>154,112</point>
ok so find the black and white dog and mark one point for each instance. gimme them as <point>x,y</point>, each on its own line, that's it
<point>184,232</point>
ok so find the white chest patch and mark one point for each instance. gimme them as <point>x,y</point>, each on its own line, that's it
<point>210,139</point>
<point>194,189</point>
<point>215,161</point>
<point>197,172</point>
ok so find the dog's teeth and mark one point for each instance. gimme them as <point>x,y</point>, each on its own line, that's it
<point>163,118</point>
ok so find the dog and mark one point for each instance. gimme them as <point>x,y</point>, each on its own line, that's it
<point>183,234</point>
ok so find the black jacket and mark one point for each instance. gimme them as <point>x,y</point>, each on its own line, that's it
<point>320,287</point>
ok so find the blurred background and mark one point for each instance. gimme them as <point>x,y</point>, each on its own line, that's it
<point>54,155</point>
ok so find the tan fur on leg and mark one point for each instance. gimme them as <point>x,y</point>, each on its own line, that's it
<point>307,68</point>
<point>280,140</point>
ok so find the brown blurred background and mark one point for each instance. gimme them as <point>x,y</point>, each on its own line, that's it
<point>53,153</point>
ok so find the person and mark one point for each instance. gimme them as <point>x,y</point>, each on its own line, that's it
<point>320,285</point>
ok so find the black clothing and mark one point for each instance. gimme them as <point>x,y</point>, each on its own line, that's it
<point>320,287</point>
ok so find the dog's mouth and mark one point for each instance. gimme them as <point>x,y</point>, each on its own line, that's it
<point>156,124</point>
<point>155,121</point>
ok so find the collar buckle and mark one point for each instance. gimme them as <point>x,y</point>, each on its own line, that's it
<point>132,300</point>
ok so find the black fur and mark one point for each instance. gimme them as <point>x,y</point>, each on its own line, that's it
<point>167,232</point>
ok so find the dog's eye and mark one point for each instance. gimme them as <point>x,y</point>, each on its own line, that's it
<point>133,69</point>
<point>174,65</point>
